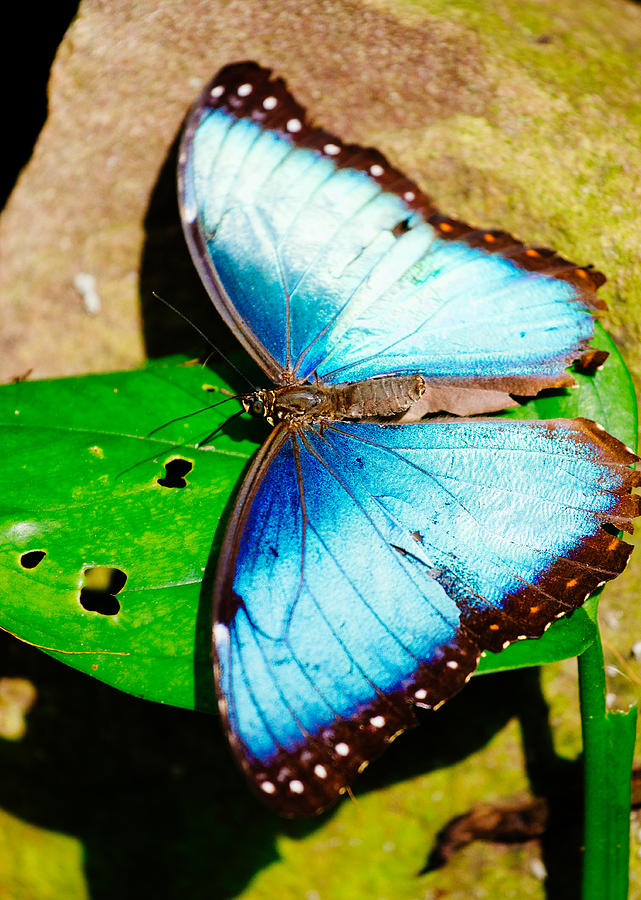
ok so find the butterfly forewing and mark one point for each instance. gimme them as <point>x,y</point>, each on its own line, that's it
<point>331,264</point>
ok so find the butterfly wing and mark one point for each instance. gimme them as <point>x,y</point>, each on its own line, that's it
<point>328,263</point>
<point>367,566</point>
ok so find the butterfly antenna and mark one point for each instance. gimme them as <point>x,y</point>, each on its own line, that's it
<point>194,413</point>
<point>205,440</point>
<point>196,445</point>
<point>173,447</point>
<point>225,359</point>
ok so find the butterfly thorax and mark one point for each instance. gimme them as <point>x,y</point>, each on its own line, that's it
<point>375,398</point>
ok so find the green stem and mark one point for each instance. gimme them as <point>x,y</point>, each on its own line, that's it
<point>608,745</point>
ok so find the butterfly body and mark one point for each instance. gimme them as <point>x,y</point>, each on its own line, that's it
<point>371,557</point>
<point>373,398</point>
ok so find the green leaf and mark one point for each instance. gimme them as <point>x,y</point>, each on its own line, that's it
<point>608,750</point>
<point>80,482</point>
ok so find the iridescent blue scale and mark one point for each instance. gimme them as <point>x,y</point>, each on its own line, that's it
<point>369,563</point>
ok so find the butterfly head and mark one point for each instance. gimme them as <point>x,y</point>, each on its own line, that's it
<point>260,404</point>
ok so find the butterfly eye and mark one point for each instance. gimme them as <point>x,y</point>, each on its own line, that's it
<point>257,408</point>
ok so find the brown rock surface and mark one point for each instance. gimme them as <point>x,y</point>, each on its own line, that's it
<point>121,84</point>
<point>513,121</point>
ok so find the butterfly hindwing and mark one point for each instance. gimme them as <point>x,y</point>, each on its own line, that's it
<point>367,566</point>
<point>329,263</point>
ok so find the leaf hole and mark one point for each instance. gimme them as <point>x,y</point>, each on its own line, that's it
<point>32,558</point>
<point>175,471</point>
<point>98,594</point>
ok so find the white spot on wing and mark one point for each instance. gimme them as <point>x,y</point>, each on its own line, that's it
<point>342,749</point>
<point>270,103</point>
<point>409,196</point>
<point>377,721</point>
<point>268,787</point>
<point>221,636</point>
<point>245,89</point>
<point>296,787</point>
<point>420,694</point>
<point>217,92</point>
<point>331,149</point>
<point>452,664</point>
<point>320,771</point>
<point>376,170</point>
<point>294,125</point>
<point>190,212</point>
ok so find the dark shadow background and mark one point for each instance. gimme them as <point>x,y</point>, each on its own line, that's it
<point>152,791</point>
<point>156,799</point>
<point>28,43</point>
<point>167,270</point>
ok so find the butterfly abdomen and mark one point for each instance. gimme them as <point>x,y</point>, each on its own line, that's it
<point>376,397</point>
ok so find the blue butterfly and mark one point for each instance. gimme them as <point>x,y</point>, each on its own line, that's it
<point>371,557</point>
